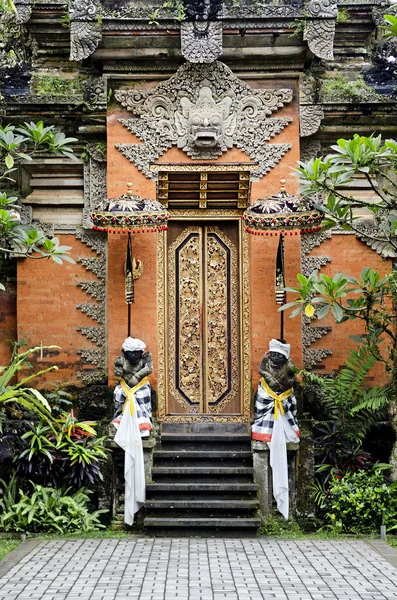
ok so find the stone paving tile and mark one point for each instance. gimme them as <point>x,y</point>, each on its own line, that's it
<point>198,569</point>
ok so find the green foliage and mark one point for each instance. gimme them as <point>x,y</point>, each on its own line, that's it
<point>59,400</point>
<point>100,147</point>
<point>68,453</point>
<point>7,546</point>
<point>57,85</point>
<point>46,509</point>
<point>371,298</point>
<point>343,16</point>
<point>368,299</point>
<point>18,143</point>
<point>346,399</point>
<point>390,30</point>
<point>360,502</point>
<point>339,89</point>
<point>172,7</point>
<point>17,394</point>
<point>275,525</point>
<point>7,6</point>
<point>351,409</point>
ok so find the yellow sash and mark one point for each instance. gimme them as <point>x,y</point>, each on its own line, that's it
<point>278,399</point>
<point>129,392</point>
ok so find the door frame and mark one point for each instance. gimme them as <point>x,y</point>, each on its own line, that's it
<point>205,216</point>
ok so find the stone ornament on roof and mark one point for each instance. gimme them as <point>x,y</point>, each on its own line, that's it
<point>201,35</point>
<point>310,112</point>
<point>85,29</point>
<point>201,42</point>
<point>204,110</point>
<point>319,29</point>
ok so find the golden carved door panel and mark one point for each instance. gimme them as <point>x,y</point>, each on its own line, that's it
<point>203,319</point>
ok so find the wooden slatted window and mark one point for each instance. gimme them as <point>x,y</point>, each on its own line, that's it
<point>204,188</point>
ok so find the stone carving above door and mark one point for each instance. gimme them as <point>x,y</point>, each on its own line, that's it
<point>204,110</point>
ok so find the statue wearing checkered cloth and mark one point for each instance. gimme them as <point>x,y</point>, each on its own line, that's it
<point>133,367</point>
<point>275,415</point>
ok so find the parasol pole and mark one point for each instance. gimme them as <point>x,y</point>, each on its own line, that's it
<point>280,281</point>
<point>129,281</point>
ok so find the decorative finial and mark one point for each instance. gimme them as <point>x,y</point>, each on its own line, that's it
<point>129,189</point>
<point>283,181</point>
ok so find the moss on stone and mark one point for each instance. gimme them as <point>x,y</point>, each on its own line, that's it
<point>58,85</point>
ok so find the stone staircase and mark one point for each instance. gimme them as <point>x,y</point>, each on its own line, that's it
<point>202,481</point>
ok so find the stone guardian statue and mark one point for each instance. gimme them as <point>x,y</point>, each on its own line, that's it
<point>132,418</point>
<point>275,415</point>
<point>133,367</point>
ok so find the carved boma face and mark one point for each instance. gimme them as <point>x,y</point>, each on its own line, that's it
<point>206,119</point>
<point>205,128</point>
<point>277,359</point>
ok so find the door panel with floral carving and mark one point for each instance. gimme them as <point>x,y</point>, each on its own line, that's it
<point>203,319</point>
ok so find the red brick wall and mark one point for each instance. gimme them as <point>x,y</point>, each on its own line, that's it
<point>144,309</point>
<point>8,320</point>
<point>47,313</point>
<point>350,256</point>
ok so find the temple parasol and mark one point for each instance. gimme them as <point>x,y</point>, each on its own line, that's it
<point>282,214</point>
<point>129,214</point>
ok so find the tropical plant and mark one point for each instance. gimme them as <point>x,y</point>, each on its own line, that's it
<point>67,454</point>
<point>351,409</point>
<point>20,143</point>
<point>390,29</point>
<point>368,299</point>
<point>371,298</point>
<point>17,396</point>
<point>81,452</point>
<point>46,509</point>
<point>60,400</point>
<point>360,501</point>
<point>36,459</point>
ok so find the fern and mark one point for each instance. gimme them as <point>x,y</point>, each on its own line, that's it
<point>351,410</point>
<point>346,395</point>
<point>375,399</point>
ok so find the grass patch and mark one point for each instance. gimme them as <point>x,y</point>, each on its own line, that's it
<point>276,526</point>
<point>102,534</point>
<point>392,541</point>
<point>7,546</point>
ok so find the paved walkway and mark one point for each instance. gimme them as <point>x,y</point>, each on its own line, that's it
<point>199,569</point>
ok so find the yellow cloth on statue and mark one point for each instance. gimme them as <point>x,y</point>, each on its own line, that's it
<point>278,399</point>
<point>129,392</point>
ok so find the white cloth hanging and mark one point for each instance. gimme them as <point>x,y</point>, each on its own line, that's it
<point>128,437</point>
<point>282,433</point>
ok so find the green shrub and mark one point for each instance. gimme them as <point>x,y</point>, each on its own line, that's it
<point>360,502</point>
<point>339,89</point>
<point>46,510</point>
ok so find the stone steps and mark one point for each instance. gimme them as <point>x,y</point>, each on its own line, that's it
<point>208,504</point>
<point>203,441</point>
<point>208,526</point>
<point>202,490</point>
<point>202,482</point>
<point>203,458</point>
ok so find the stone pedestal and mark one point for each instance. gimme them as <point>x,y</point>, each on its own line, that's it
<point>263,475</point>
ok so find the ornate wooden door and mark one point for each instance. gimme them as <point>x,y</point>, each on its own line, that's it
<point>203,319</point>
